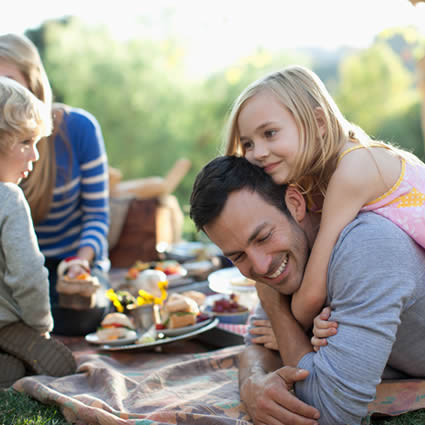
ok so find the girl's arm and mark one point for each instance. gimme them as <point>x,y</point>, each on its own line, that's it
<point>352,185</point>
<point>262,333</point>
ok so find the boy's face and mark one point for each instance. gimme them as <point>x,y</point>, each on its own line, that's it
<point>261,241</point>
<point>16,163</point>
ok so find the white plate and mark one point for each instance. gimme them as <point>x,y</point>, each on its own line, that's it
<point>93,339</point>
<point>220,281</point>
<point>189,250</point>
<point>206,326</point>
<point>184,329</point>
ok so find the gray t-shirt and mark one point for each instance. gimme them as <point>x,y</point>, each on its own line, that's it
<point>24,284</point>
<point>376,290</point>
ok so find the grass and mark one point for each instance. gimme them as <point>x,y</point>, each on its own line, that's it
<point>412,418</point>
<point>19,409</point>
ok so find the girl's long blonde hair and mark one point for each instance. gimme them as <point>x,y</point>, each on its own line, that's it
<point>19,51</point>
<point>302,92</point>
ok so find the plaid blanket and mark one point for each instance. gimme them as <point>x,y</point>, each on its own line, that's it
<point>183,384</point>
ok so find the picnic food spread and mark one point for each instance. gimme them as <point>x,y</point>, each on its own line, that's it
<point>169,267</point>
<point>179,311</point>
<point>148,280</point>
<point>78,293</point>
<point>197,296</point>
<point>228,305</point>
<point>115,326</point>
<point>242,281</point>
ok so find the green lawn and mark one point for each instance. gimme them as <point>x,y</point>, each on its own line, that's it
<point>19,409</point>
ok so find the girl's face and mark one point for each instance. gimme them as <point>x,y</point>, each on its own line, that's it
<point>11,71</point>
<point>16,163</point>
<point>269,135</point>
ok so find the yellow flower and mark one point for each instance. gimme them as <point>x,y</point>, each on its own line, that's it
<point>115,301</point>
<point>147,298</point>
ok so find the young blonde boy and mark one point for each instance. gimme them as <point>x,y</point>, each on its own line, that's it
<point>25,317</point>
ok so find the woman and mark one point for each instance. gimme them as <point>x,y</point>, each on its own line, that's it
<point>68,188</point>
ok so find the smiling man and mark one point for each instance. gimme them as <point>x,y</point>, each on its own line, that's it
<point>375,289</point>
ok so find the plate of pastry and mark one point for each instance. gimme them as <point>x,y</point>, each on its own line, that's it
<point>230,280</point>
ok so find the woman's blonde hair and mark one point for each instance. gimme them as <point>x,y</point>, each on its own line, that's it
<point>302,92</point>
<point>22,115</point>
<point>19,51</point>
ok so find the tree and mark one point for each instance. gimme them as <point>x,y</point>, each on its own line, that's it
<point>373,86</point>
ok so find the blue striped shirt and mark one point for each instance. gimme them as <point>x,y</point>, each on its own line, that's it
<point>79,214</point>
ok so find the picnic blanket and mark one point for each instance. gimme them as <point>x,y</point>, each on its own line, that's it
<point>183,384</point>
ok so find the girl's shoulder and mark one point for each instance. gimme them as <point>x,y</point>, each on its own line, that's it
<point>372,169</point>
<point>356,155</point>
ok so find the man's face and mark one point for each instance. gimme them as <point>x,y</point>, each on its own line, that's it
<point>261,241</point>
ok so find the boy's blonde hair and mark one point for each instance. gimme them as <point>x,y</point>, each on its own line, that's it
<point>302,92</point>
<point>20,51</point>
<point>22,115</point>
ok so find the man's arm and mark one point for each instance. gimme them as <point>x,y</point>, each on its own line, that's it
<point>368,292</point>
<point>291,338</point>
<point>265,387</point>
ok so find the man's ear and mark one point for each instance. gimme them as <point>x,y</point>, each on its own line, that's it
<point>321,121</point>
<point>296,203</point>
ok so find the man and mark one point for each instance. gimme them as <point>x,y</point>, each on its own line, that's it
<point>375,288</point>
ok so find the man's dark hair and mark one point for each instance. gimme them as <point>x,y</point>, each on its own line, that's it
<point>224,175</point>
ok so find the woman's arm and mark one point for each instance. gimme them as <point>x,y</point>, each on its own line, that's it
<point>94,188</point>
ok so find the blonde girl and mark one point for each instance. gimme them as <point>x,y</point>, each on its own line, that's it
<point>288,124</point>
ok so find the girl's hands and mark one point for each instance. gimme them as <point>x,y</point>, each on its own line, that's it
<point>322,329</point>
<point>263,334</point>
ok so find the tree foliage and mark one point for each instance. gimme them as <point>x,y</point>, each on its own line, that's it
<point>374,84</point>
<point>151,113</point>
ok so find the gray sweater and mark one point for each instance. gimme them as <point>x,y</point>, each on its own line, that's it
<point>24,285</point>
<point>376,290</point>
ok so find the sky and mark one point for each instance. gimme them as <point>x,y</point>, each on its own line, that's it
<point>219,31</point>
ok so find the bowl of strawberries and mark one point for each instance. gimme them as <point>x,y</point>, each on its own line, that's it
<point>227,308</point>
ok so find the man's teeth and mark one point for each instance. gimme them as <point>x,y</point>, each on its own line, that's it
<point>280,269</point>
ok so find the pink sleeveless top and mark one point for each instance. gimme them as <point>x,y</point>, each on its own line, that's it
<point>404,203</point>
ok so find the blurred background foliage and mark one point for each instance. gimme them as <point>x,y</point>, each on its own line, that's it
<point>153,113</point>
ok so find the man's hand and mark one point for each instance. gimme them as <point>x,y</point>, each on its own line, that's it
<point>270,400</point>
